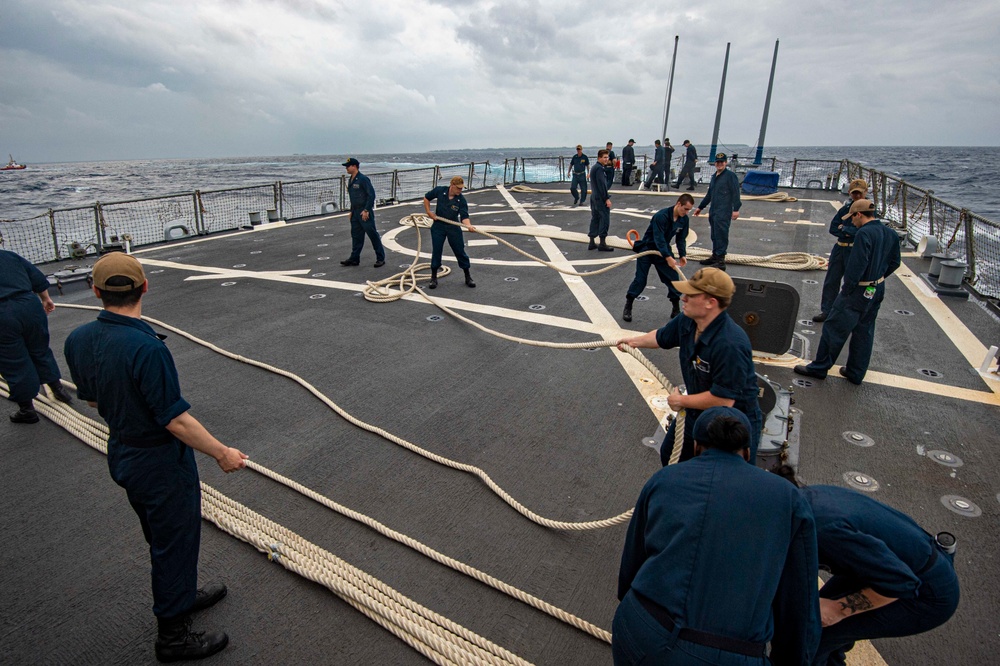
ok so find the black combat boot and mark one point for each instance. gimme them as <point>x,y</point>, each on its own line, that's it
<point>593,245</point>
<point>711,261</point>
<point>26,413</point>
<point>627,313</point>
<point>468,279</point>
<point>176,642</point>
<point>434,279</point>
<point>721,263</point>
<point>675,307</point>
<point>604,247</point>
<point>60,393</point>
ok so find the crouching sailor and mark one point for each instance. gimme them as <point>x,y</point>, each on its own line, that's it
<point>451,205</point>
<point>122,367</point>
<point>719,559</point>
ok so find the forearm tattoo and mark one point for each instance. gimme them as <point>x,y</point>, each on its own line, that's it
<point>856,603</point>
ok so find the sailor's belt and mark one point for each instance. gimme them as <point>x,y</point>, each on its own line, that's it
<point>872,283</point>
<point>841,244</point>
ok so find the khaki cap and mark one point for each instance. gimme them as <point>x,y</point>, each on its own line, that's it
<point>117,264</point>
<point>709,281</point>
<point>858,184</point>
<point>860,206</point>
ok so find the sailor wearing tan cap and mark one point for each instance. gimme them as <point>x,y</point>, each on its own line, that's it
<point>715,357</point>
<point>874,257</point>
<point>122,367</point>
<point>844,233</point>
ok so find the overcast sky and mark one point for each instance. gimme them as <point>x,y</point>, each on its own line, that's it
<point>129,79</point>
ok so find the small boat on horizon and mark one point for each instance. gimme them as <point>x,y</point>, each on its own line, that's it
<point>12,165</point>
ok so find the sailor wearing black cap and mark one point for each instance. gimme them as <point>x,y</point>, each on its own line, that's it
<point>600,204</point>
<point>609,168</point>
<point>874,257</point>
<point>844,233</point>
<point>121,366</point>
<point>362,194</point>
<point>719,560</point>
<point>628,163</point>
<point>724,195</point>
<point>579,168</point>
<point>890,577</point>
<point>26,362</point>
<point>715,356</point>
<point>690,160</point>
<point>451,205</point>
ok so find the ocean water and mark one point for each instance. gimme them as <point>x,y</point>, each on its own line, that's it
<point>965,177</point>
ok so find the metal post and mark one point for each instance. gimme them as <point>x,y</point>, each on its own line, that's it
<point>718,110</point>
<point>930,211</point>
<point>472,170</point>
<point>197,215</point>
<point>99,226</point>
<point>840,171</point>
<point>670,92</point>
<point>902,185</point>
<point>767,106</point>
<point>55,236</point>
<point>795,166</point>
<point>276,197</point>
<point>343,193</point>
<point>281,201</point>
<point>395,177</point>
<point>885,195</point>
<point>970,250</point>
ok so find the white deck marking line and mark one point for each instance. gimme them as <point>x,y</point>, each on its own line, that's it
<point>967,344</point>
<point>806,222</point>
<point>606,325</point>
<point>483,241</point>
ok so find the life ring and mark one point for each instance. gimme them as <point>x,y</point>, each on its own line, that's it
<point>629,238</point>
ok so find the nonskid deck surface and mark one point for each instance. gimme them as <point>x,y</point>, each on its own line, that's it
<point>560,430</point>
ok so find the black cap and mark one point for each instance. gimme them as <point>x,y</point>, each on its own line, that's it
<point>351,162</point>
<point>631,140</point>
<point>721,157</point>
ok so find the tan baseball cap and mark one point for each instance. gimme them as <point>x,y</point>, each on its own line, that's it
<point>859,185</point>
<point>709,281</point>
<point>117,264</point>
<point>860,206</point>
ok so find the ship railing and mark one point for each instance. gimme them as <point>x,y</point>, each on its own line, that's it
<point>79,232</point>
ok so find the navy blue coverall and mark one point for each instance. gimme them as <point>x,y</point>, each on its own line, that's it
<point>121,364</point>
<point>362,195</point>
<point>662,227</point>
<point>874,257</point>
<point>844,232</point>
<point>690,159</point>
<point>26,362</point>
<point>579,166</point>
<point>656,169</point>
<point>609,168</point>
<point>628,163</point>
<point>721,547</point>
<point>450,208</point>
<point>719,361</point>
<point>600,214</point>
<point>867,544</point>
<point>724,196</point>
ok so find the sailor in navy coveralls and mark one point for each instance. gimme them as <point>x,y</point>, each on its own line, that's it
<point>628,163</point>
<point>121,366</point>
<point>719,559</point>
<point>890,577</point>
<point>579,168</point>
<point>844,232</point>
<point>26,362</point>
<point>600,204</point>
<point>669,223</point>
<point>656,168</point>
<point>451,205</point>
<point>690,160</point>
<point>715,357</point>
<point>874,257</point>
<point>724,196</point>
<point>362,194</point>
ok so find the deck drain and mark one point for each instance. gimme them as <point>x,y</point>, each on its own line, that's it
<point>256,251</point>
<point>808,332</point>
<point>536,307</point>
<point>316,297</point>
<point>860,481</point>
<point>660,402</point>
<point>591,349</point>
<point>642,298</point>
<point>322,258</point>
<point>404,265</point>
<point>806,322</point>
<point>645,380</point>
<point>927,372</point>
<point>961,506</point>
<point>651,442</point>
<point>858,439</point>
<point>435,318</point>
<point>319,274</point>
<point>156,272</point>
<point>810,282</point>
<point>803,383</point>
<point>239,265</point>
<point>228,284</point>
<point>945,458</point>
<point>510,279</point>
<point>905,313</point>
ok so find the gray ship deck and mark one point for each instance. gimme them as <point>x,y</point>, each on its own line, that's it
<point>561,430</point>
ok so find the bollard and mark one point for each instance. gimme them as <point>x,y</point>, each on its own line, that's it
<point>936,260</point>
<point>952,273</point>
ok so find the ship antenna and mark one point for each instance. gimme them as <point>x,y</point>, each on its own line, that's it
<point>670,91</point>
<point>718,111</point>
<point>767,107</point>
